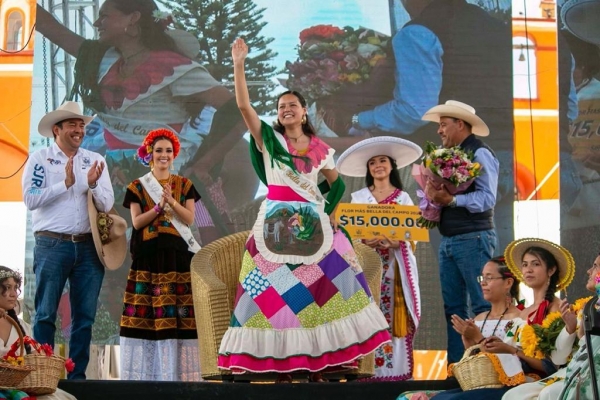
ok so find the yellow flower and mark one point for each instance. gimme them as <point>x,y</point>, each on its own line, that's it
<point>427,162</point>
<point>529,342</point>
<point>375,59</point>
<point>354,77</point>
<point>550,318</point>
<point>579,304</point>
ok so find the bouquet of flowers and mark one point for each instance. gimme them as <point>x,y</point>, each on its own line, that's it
<point>540,340</point>
<point>453,167</point>
<point>330,57</point>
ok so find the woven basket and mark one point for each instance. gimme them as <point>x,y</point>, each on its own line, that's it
<point>44,380</point>
<point>11,375</point>
<point>475,371</point>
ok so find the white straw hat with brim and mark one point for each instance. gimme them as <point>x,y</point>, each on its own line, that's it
<point>456,109</point>
<point>68,110</point>
<point>582,19</point>
<point>353,161</point>
<point>187,43</point>
<point>109,233</point>
<point>566,264</point>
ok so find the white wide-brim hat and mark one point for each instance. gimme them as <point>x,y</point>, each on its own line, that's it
<point>68,110</point>
<point>109,233</point>
<point>456,109</point>
<point>353,161</point>
<point>566,264</point>
<point>582,19</point>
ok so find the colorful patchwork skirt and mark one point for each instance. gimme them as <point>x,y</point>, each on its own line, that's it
<point>301,317</point>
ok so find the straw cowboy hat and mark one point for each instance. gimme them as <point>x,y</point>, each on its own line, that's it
<point>456,109</point>
<point>353,161</point>
<point>566,264</point>
<point>68,110</point>
<point>108,231</point>
<point>580,17</point>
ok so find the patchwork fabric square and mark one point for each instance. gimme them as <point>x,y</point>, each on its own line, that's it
<point>311,316</point>
<point>322,290</point>
<point>247,267</point>
<point>308,274</point>
<point>255,283</point>
<point>266,267</point>
<point>269,302</point>
<point>333,264</point>
<point>297,298</point>
<point>251,246</point>
<point>284,318</point>
<point>347,283</point>
<point>245,309</point>
<point>363,282</point>
<point>282,279</point>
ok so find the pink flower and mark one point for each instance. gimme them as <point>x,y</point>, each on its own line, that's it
<point>446,173</point>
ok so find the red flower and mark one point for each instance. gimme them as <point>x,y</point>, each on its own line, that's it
<point>69,365</point>
<point>379,361</point>
<point>320,32</point>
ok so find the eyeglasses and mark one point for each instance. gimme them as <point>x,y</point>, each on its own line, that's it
<point>487,279</point>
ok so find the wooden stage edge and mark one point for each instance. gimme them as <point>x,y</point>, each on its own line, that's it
<point>115,390</point>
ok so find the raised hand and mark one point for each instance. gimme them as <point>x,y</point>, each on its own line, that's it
<point>239,50</point>
<point>70,176</point>
<point>95,172</point>
<point>567,314</point>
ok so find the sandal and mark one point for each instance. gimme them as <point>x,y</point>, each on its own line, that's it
<point>284,378</point>
<point>316,377</point>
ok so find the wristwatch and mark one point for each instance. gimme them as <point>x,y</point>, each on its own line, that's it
<point>355,120</point>
<point>452,202</point>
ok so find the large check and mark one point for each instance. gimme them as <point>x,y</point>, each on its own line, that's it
<point>368,221</point>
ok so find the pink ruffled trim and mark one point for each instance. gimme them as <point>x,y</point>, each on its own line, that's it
<point>245,362</point>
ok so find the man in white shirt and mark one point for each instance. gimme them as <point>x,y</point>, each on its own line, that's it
<point>55,183</point>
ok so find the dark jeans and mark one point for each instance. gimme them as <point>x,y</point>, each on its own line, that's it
<point>55,261</point>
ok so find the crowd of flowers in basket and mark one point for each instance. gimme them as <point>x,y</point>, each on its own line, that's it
<point>12,356</point>
<point>330,57</point>
<point>452,167</point>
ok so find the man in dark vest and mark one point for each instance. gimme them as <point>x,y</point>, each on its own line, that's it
<point>467,221</point>
<point>451,49</point>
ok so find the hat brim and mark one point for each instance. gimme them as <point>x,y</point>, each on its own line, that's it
<point>479,127</point>
<point>353,161</point>
<point>580,17</point>
<point>111,255</point>
<point>52,118</point>
<point>566,264</point>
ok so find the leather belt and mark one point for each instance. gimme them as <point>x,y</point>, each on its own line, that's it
<point>82,237</point>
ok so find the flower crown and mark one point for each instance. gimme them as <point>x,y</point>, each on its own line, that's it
<point>144,152</point>
<point>10,274</point>
<point>162,17</point>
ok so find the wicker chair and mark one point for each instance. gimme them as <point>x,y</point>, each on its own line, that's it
<point>215,272</point>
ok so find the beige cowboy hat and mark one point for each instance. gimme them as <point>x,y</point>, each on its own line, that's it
<point>353,161</point>
<point>456,109</point>
<point>108,231</point>
<point>580,17</point>
<point>68,110</point>
<point>566,264</point>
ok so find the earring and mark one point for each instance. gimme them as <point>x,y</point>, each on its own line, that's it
<point>172,166</point>
<point>151,165</point>
<point>304,119</point>
<point>132,34</point>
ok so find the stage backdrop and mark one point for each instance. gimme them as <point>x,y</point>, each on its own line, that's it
<point>346,56</point>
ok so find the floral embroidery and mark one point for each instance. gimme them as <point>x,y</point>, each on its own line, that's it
<point>317,152</point>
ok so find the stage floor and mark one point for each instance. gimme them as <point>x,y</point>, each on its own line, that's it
<point>144,390</point>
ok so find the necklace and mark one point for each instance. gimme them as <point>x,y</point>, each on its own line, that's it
<point>296,138</point>
<point>497,324</point>
<point>125,64</point>
<point>129,57</point>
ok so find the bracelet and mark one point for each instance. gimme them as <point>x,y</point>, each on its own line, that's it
<point>482,339</point>
<point>94,186</point>
<point>157,209</point>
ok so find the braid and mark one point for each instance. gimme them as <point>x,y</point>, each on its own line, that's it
<point>550,292</point>
<point>11,313</point>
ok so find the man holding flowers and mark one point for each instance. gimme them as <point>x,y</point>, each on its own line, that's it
<point>467,219</point>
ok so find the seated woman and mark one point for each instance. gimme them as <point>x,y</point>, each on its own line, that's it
<point>10,288</point>
<point>501,289</point>
<point>576,373</point>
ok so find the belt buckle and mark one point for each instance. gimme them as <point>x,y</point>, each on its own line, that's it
<point>76,238</point>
